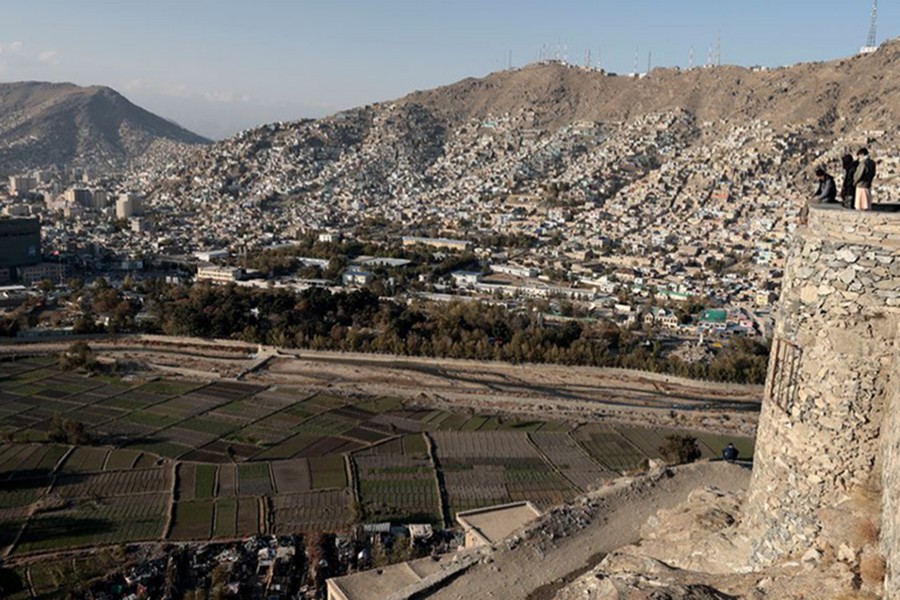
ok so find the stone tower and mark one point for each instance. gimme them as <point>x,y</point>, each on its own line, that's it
<point>830,421</point>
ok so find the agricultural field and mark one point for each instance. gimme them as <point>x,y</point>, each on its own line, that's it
<point>169,459</point>
<point>398,481</point>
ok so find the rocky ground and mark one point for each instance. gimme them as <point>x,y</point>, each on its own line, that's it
<point>673,534</point>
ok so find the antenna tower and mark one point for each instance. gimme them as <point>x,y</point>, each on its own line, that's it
<point>649,61</point>
<point>587,58</point>
<point>635,71</point>
<point>719,49</point>
<point>872,40</point>
<point>691,59</point>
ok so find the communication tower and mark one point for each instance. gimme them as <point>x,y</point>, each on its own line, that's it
<point>872,42</point>
<point>719,49</point>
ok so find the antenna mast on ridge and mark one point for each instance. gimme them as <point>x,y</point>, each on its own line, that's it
<point>872,41</point>
<point>719,49</point>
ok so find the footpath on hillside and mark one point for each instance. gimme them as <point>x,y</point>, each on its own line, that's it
<point>571,541</point>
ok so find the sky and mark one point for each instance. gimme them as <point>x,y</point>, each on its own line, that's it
<point>219,66</point>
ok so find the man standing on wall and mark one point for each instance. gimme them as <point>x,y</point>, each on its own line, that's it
<point>862,179</point>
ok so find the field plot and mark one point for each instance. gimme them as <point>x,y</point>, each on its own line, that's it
<point>187,484</point>
<point>248,516</point>
<point>397,481</point>
<point>254,479</point>
<point>192,520</point>
<point>492,468</point>
<point>312,511</point>
<point>570,459</point>
<point>33,461</point>
<point>292,476</point>
<point>85,460</point>
<point>114,483</point>
<point>227,483</point>
<point>499,444</point>
<point>90,522</point>
<point>119,460</point>
<point>52,578</point>
<point>609,448</point>
<point>160,447</point>
<point>328,472</point>
<point>226,518</point>
<point>474,486</point>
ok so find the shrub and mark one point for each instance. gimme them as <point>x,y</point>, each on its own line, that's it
<point>680,449</point>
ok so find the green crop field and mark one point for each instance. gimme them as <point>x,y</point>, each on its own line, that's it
<point>233,459</point>
<point>192,520</point>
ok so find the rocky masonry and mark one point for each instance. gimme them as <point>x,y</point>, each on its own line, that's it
<point>829,431</point>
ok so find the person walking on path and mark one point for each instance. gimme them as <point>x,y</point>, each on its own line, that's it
<point>848,190</point>
<point>862,179</point>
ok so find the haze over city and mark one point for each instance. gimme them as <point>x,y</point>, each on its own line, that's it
<point>216,67</point>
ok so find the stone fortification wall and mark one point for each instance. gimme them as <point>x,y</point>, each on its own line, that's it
<point>828,385</point>
<point>890,535</point>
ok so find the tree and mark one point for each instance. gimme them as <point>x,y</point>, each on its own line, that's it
<point>680,449</point>
<point>78,356</point>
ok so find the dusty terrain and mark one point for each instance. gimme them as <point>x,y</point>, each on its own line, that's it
<point>572,540</point>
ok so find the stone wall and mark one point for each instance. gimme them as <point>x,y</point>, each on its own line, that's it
<point>828,385</point>
<point>890,536</point>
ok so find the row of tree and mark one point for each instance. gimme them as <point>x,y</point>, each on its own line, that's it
<point>360,321</point>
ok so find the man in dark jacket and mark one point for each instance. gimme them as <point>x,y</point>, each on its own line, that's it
<point>848,190</point>
<point>862,179</point>
<point>730,453</point>
<point>826,192</point>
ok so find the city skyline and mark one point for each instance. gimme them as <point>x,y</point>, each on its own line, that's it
<point>218,67</point>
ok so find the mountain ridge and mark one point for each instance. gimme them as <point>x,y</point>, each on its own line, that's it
<point>45,123</point>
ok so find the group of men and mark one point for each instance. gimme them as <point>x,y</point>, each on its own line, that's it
<point>856,191</point>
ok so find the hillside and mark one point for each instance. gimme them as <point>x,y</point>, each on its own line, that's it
<point>513,132</point>
<point>861,91</point>
<point>60,123</point>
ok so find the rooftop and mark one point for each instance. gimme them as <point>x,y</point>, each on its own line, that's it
<point>495,523</point>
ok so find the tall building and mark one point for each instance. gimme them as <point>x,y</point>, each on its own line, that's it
<point>20,242</point>
<point>21,184</point>
<point>80,196</point>
<point>129,205</point>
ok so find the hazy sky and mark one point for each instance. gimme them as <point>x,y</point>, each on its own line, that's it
<point>217,66</point>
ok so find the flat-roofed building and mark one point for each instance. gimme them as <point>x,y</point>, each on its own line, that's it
<point>20,242</point>
<point>489,525</point>
<point>401,580</point>
<point>460,245</point>
<point>221,275</point>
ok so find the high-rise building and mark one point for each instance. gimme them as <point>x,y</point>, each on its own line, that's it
<point>20,242</point>
<point>80,196</point>
<point>129,205</point>
<point>21,184</point>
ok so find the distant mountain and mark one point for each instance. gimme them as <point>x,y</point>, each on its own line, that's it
<point>42,124</point>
